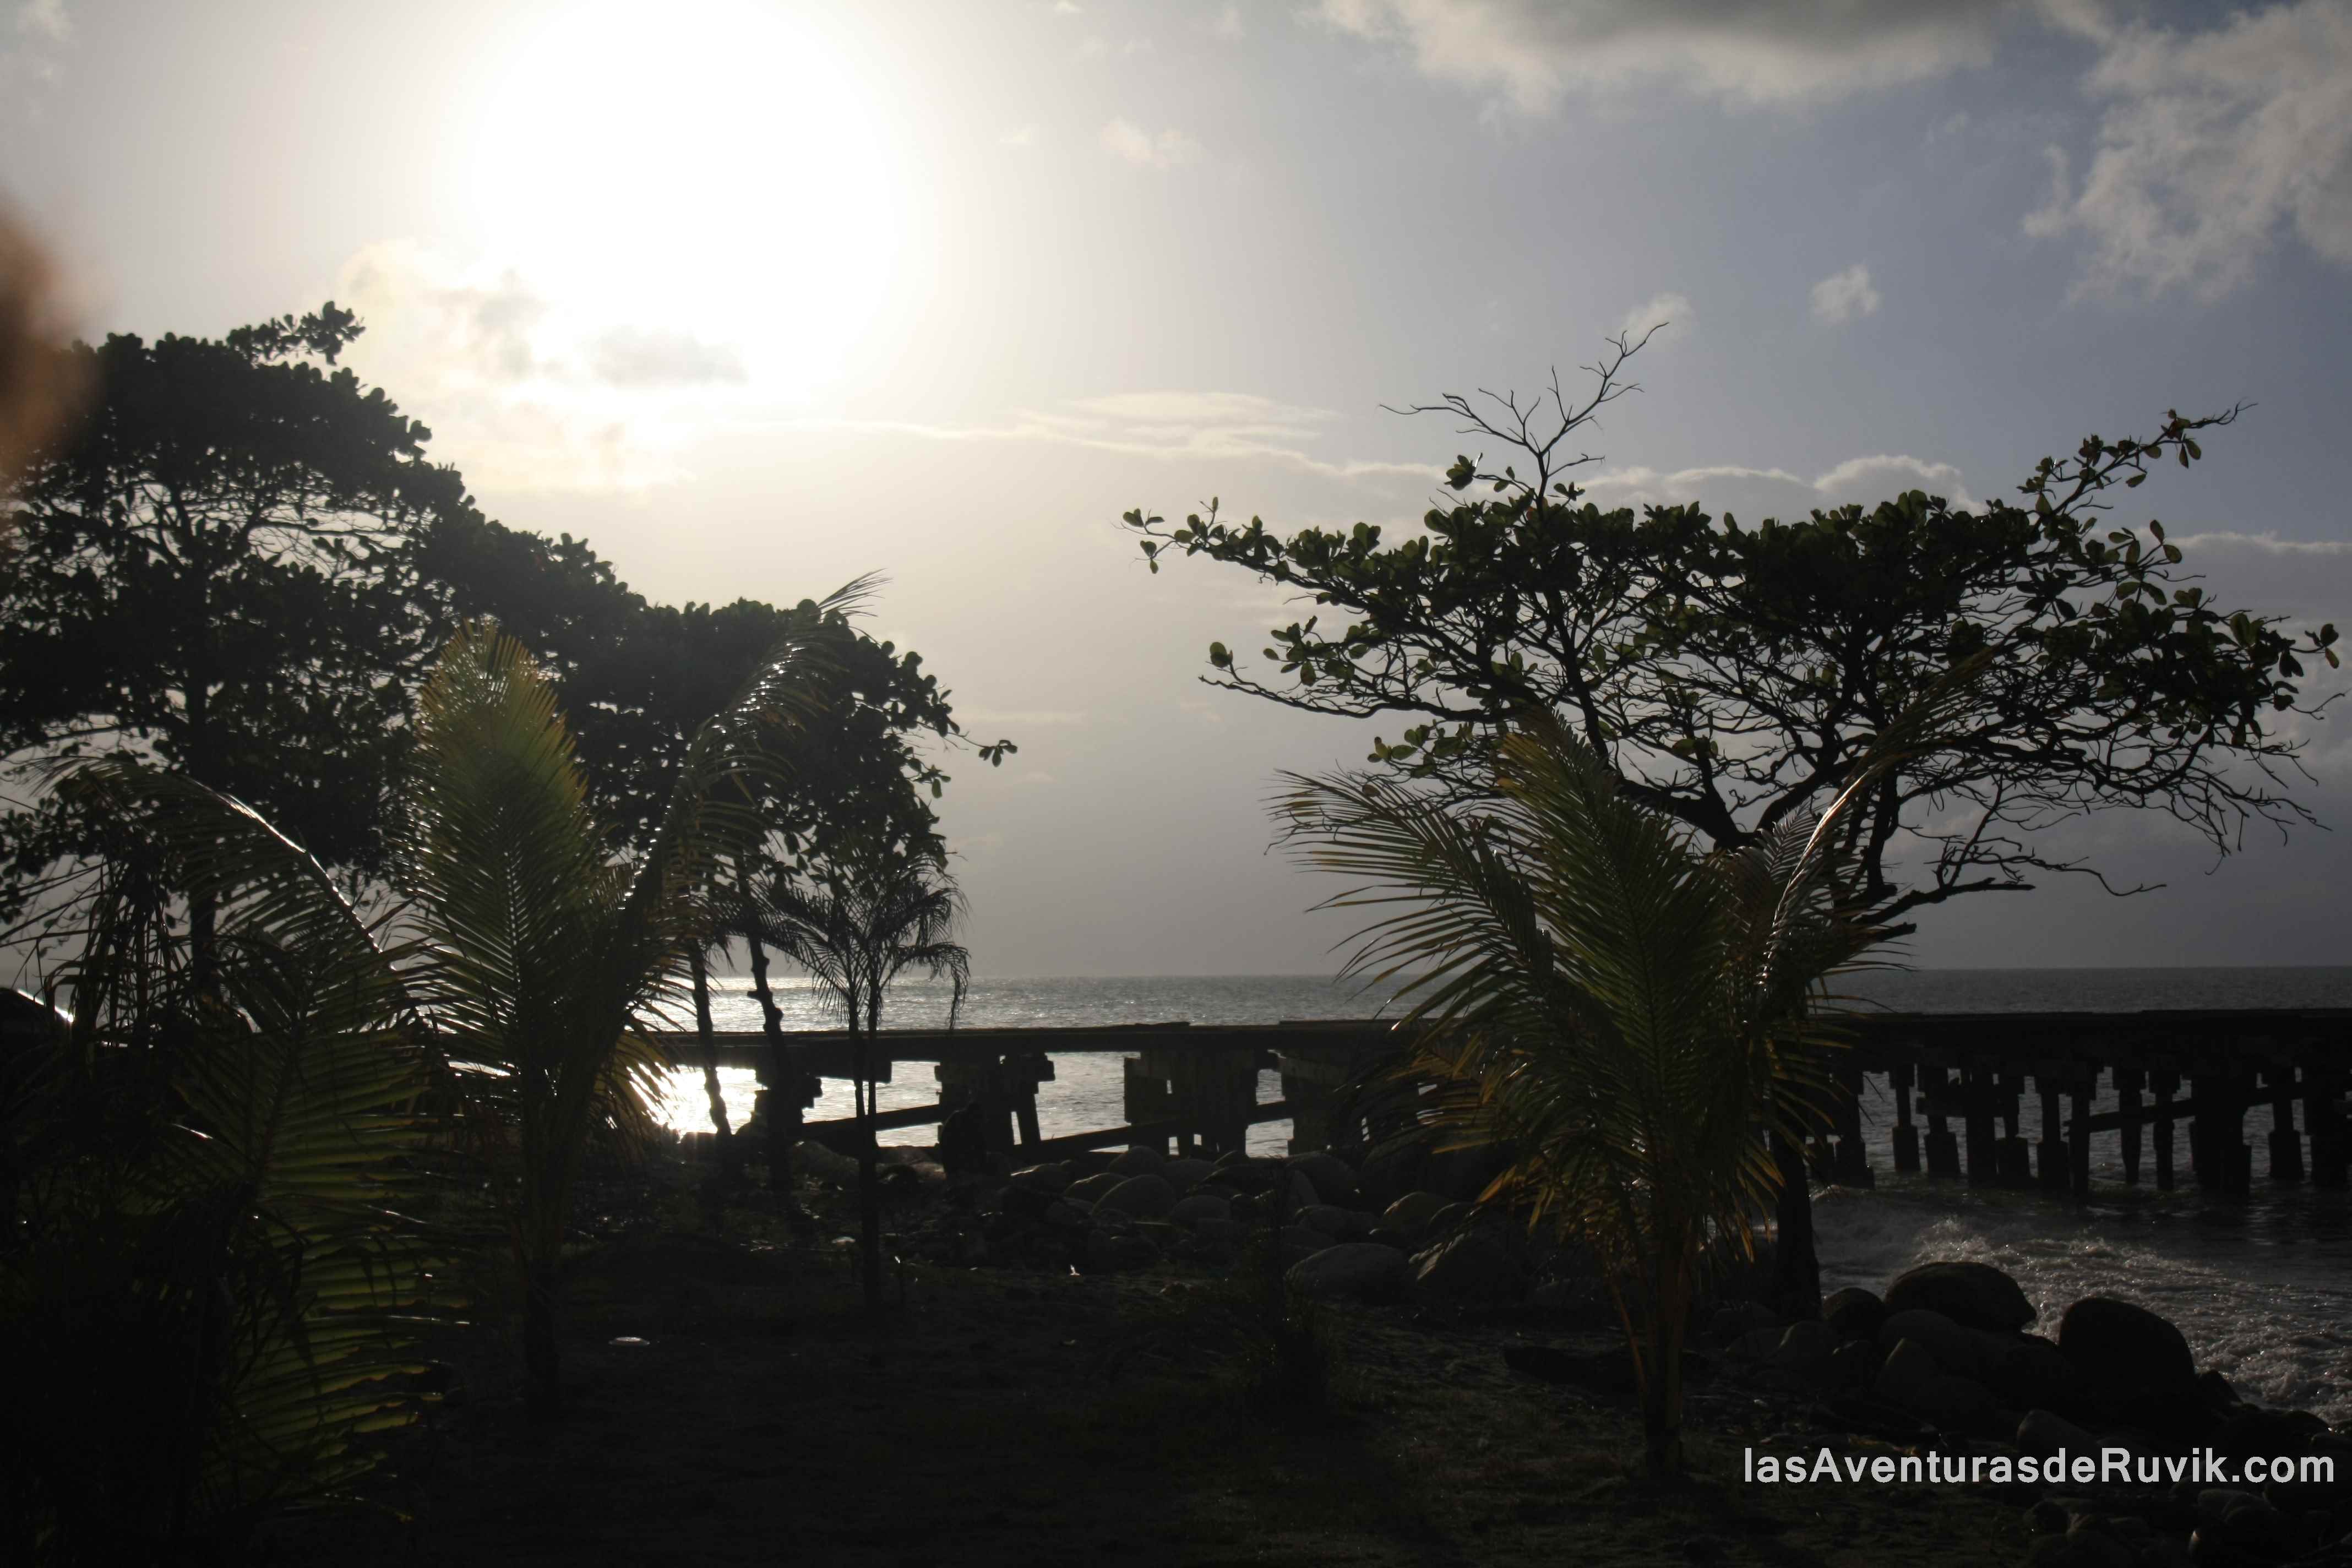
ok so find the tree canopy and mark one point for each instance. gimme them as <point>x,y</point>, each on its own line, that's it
<point>243,562</point>
<point>1731,676</point>
<point>216,567</point>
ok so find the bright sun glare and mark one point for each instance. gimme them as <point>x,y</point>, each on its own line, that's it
<point>715,167</point>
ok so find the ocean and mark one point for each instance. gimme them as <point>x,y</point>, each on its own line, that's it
<point>2263,1288</point>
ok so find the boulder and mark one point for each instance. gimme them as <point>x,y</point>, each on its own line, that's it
<point>1340,1223</point>
<point>1242,1174</point>
<point>1913,1379</point>
<point>1048,1178</point>
<point>1411,1215</point>
<point>1462,1174</point>
<point>1736,1317</point>
<point>1472,1268</point>
<point>1138,1159</point>
<point>1298,1235</point>
<point>1974,1295</point>
<point>2034,1372</point>
<point>2253,1432</point>
<point>1025,1203</point>
<point>1963,1353</point>
<point>1803,1354</point>
<point>1226,1232</point>
<point>1090,1189</point>
<point>1352,1271</point>
<point>2235,1525</point>
<point>1855,1313</point>
<point>815,1159</point>
<point>1302,1192</point>
<point>2082,1546</point>
<point>1187,1173</point>
<point>1064,1214</point>
<point>2131,1365</point>
<point>1146,1197</point>
<point>1117,1252</point>
<point>1194,1207</point>
<point>2044,1433</point>
<point>1334,1178</point>
<point>1855,1364</point>
<point>1387,1174</point>
<point>1908,1369</point>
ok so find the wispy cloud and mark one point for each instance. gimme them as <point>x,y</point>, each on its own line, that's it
<point>2267,542</point>
<point>1734,486</point>
<point>1842,296</point>
<point>525,395</point>
<point>1221,426</point>
<point>32,47</point>
<point>2210,146</point>
<point>1673,311</point>
<point>1535,53</point>
<point>47,21</point>
<point>649,357</point>
<point>1167,149</point>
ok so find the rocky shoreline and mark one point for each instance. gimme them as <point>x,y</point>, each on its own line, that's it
<point>2119,1450</point>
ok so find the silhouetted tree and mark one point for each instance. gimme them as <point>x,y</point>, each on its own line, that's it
<point>856,918</point>
<point>1729,677</point>
<point>218,568</point>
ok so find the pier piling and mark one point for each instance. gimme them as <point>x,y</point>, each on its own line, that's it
<point>1905,1137</point>
<point>2286,1144</point>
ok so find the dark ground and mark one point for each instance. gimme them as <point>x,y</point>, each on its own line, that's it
<point>1018,1417</point>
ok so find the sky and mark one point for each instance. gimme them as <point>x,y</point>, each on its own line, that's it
<point>758,296</point>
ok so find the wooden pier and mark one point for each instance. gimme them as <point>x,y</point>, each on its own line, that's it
<point>1946,1090</point>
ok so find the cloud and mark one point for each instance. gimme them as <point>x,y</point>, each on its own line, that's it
<point>1019,136</point>
<point>1842,296</point>
<point>1729,486</point>
<point>483,324</point>
<point>2211,144</point>
<point>1228,24</point>
<point>31,50</point>
<point>642,357</point>
<point>1674,311</point>
<point>1534,53</point>
<point>2267,542</point>
<point>1218,426</point>
<point>1125,139</point>
<point>522,394</point>
<point>44,21</point>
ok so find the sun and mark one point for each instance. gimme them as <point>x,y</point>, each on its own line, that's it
<point>712,166</point>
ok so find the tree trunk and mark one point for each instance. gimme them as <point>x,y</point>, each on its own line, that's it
<point>1662,1388</point>
<point>730,1160</point>
<point>1796,1266</point>
<point>784,1084</point>
<point>869,1189</point>
<point>543,1388</point>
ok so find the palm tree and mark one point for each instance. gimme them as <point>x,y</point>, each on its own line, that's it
<point>1621,1013</point>
<point>207,1263</point>
<point>856,921</point>
<point>541,956</point>
<point>526,954</point>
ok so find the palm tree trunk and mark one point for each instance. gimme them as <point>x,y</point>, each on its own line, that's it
<point>542,1387</point>
<point>1662,1388</point>
<point>730,1160</point>
<point>1796,1266</point>
<point>784,1090</point>
<point>869,1189</point>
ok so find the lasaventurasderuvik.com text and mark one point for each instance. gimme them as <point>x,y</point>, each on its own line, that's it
<point>2110,1466</point>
